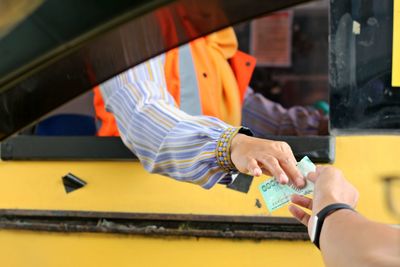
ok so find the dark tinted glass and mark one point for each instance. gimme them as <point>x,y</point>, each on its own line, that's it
<point>67,46</point>
<point>362,98</point>
<point>53,24</point>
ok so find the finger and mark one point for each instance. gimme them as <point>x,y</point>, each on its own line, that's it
<point>272,165</point>
<point>312,176</point>
<point>266,171</point>
<point>294,174</point>
<point>287,150</point>
<point>320,169</point>
<point>299,214</point>
<point>253,168</point>
<point>289,164</point>
<point>302,201</point>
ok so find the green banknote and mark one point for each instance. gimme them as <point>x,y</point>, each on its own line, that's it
<point>277,195</point>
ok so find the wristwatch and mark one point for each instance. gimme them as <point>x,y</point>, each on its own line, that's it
<point>241,182</point>
<point>319,219</point>
<point>246,131</point>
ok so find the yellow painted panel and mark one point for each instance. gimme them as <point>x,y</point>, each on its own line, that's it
<point>396,44</point>
<point>23,249</point>
<point>126,187</point>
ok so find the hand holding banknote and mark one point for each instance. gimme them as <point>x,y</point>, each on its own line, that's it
<point>277,195</point>
<point>257,156</point>
<point>345,237</point>
<point>330,187</point>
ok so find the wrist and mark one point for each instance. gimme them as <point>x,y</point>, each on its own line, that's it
<point>337,216</point>
<point>318,204</point>
<point>318,220</point>
<point>240,141</point>
<point>332,221</point>
<point>230,141</point>
<point>237,140</point>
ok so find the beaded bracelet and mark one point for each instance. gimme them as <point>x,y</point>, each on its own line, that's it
<point>223,154</point>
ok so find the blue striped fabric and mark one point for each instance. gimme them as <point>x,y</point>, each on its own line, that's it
<point>267,118</point>
<point>166,140</point>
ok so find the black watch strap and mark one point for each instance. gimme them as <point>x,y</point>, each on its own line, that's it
<point>246,131</point>
<point>320,218</point>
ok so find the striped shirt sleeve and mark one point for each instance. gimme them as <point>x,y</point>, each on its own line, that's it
<point>266,118</point>
<point>165,139</point>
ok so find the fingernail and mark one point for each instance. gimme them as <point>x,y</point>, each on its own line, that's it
<point>300,181</point>
<point>257,172</point>
<point>283,179</point>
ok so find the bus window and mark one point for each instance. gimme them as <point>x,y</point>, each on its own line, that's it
<point>289,87</point>
<point>286,99</point>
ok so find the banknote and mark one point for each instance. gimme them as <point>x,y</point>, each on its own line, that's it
<point>277,195</point>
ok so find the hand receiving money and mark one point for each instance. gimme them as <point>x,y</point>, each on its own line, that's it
<point>278,195</point>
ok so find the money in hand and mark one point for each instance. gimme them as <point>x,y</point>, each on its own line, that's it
<point>277,195</point>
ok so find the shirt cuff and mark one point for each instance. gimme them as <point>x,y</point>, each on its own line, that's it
<point>223,155</point>
<point>222,151</point>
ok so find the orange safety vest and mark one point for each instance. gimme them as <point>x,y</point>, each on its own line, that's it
<point>200,79</point>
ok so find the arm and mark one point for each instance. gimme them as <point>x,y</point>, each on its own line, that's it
<point>266,117</point>
<point>166,140</point>
<point>170,142</point>
<point>347,238</point>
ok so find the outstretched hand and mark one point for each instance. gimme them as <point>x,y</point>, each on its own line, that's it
<point>330,187</point>
<point>257,156</point>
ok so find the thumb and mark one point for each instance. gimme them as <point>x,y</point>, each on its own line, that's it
<point>313,176</point>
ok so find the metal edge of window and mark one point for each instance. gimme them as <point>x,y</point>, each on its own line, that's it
<point>158,225</point>
<point>320,149</point>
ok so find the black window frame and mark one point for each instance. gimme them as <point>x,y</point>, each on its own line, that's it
<point>320,149</point>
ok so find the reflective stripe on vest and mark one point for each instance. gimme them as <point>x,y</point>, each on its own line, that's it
<point>189,91</point>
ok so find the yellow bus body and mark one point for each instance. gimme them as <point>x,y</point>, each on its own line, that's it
<point>126,187</point>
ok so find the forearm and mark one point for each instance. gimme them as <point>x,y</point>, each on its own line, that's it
<point>266,117</point>
<point>165,139</point>
<point>168,141</point>
<point>349,239</point>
